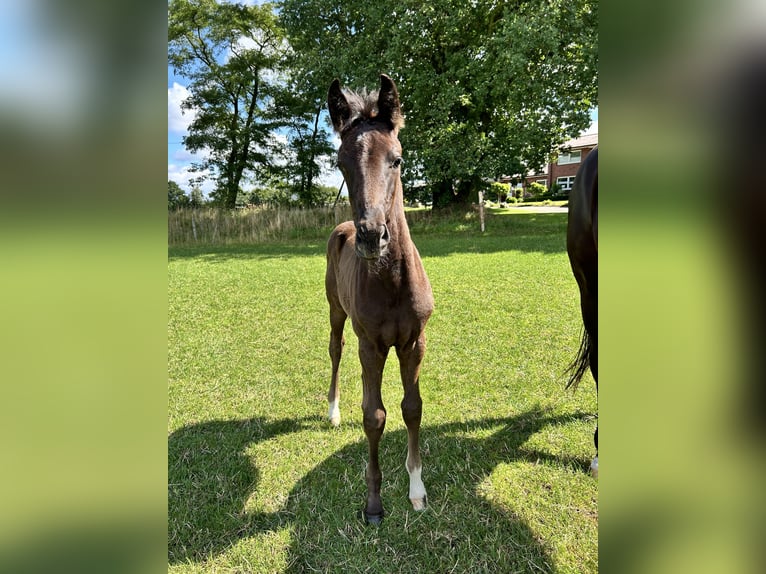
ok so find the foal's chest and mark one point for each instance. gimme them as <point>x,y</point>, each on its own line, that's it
<point>392,308</point>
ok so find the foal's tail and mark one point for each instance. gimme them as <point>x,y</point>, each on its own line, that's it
<point>581,363</point>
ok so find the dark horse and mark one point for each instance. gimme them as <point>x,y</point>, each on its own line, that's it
<point>582,246</point>
<point>375,275</point>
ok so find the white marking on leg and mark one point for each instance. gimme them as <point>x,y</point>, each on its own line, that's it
<point>417,489</point>
<point>594,467</point>
<point>334,413</point>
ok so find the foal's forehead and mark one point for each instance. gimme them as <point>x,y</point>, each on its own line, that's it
<point>369,137</point>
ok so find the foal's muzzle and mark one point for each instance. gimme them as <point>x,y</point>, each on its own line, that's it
<point>371,240</point>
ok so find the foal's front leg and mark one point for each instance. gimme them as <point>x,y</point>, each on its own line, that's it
<point>373,360</point>
<point>410,358</point>
<point>337,342</point>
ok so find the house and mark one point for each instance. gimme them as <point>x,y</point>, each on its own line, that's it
<point>562,171</point>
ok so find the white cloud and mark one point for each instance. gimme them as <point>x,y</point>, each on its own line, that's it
<point>179,166</point>
<point>178,120</point>
<point>186,156</point>
<point>332,178</point>
<point>182,175</point>
<point>593,129</point>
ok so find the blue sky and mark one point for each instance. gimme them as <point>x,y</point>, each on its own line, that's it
<point>179,159</point>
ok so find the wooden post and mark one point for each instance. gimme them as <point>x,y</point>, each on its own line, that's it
<point>481,210</point>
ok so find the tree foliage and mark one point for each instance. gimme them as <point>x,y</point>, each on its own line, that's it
<point>176,196</point>
<point>488,87</point>
<point>306,149</point>
<point>197,199</point>
<point>231,53</point>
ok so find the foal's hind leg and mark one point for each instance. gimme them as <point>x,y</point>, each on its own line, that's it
<point>594,372</point>
<point>593,360</point>
<point>337,342</point>
<point>410,358</point>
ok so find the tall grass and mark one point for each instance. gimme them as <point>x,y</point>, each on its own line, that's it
<point>210,226</point>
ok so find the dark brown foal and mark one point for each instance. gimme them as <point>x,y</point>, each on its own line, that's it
<point>375,275</point>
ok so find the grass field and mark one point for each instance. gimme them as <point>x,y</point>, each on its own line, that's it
<point>260,482</point>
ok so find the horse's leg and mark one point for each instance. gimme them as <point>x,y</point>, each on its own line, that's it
<point>373,360</point>
<point>594,372</point>
<point>594,462</point>
<point>590,320</point>
<point>337,342</point>
<point>410,358</point>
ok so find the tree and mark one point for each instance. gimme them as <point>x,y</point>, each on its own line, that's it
<point>231,53</point>
<point>176,196</point>
<point>498,192</point>
<point>197,199</point>
<point>489,88</point>
<point>306,149</point>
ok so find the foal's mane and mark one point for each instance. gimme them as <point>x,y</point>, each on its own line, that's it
<point>364,107</point>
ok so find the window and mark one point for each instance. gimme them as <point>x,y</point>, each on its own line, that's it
<point>569,157</point>
<point>542,181</point>
<point>565,183</point>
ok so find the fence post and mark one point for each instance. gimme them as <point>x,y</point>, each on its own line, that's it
<point>481,209</point>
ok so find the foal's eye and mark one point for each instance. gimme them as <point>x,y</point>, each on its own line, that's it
<point>397,163</point>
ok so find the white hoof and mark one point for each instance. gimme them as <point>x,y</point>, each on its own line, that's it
<point>334,413</point>
<point>418,503</point>
<point>594,467</point>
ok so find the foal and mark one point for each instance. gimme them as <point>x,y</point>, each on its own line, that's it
<point>375,275</point>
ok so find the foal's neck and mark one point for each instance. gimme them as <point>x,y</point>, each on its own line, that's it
<point>400,246</point>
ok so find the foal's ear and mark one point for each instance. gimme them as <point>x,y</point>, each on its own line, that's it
<point>388,103</point>
<point>338,106</point>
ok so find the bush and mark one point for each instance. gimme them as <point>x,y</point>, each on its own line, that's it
<point>537,191</point>
<point>556,192</point>
<point>498,191</point>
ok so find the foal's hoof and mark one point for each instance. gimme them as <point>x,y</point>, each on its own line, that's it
<point>594,468</point>
<point>334,414</point>
<point>418,503</point>
<point>374,519</point>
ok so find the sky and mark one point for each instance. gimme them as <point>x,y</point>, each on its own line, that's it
<point>180,159</point>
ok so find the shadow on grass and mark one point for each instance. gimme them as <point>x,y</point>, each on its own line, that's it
<point>211,477</point>
<point>534,232</point>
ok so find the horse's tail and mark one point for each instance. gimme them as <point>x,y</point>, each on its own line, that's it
<point>581,363</point>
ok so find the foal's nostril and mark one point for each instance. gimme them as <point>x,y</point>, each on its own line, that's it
<point>384,234</point>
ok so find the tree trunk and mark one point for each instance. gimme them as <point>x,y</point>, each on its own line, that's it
<point>446,195</point>
<point>466,191</point>
<point>441,196</point>
<point>232,189</point>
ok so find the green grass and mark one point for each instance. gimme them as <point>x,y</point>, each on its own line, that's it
<point>260,482</point>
